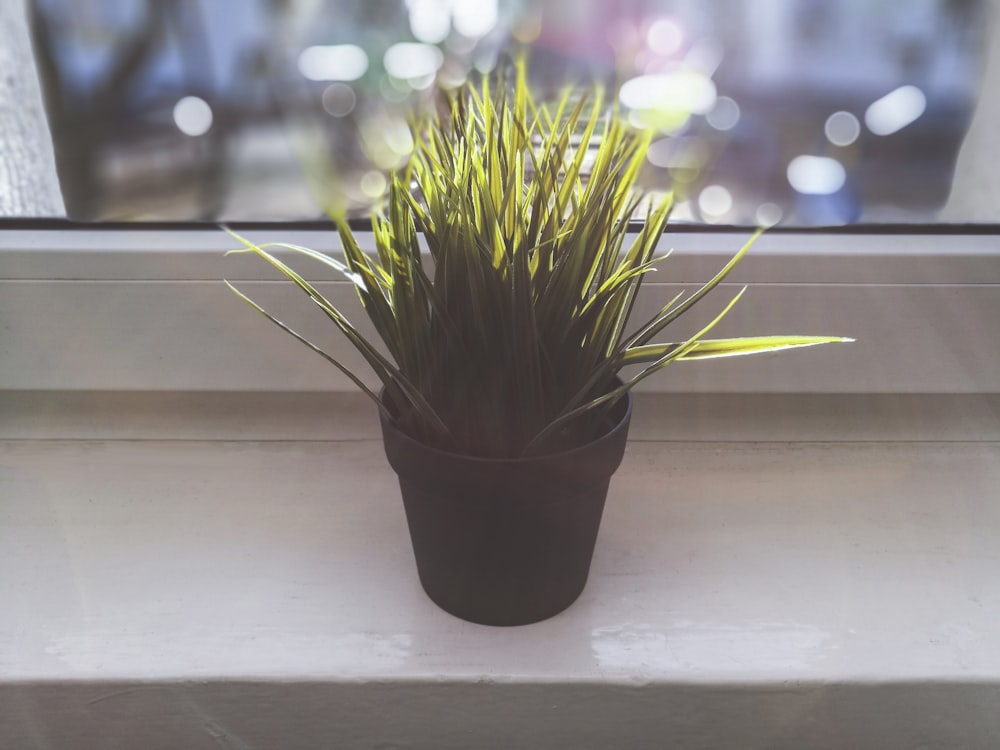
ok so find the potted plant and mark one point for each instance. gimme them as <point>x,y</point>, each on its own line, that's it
<point>503,405</point>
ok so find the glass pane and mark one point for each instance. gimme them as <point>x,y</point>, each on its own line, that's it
<point>807,112</point>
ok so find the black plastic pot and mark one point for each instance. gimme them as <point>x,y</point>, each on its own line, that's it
<point>505,541</point>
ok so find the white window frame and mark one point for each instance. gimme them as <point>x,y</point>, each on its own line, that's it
<point>126,308</point>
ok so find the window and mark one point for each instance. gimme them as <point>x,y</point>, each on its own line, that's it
<point>798,112</point>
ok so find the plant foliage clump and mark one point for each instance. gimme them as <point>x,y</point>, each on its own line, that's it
<point>510,340</point>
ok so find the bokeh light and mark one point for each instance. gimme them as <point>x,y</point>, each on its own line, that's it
<point>768,214</point>
<point>430,20</point>
<point>842,128</point>
<point>724,115</point>
<point>333,62</point>
<point>339,99</point>
<point>665,36</point>
<point>373,184</point>
<point>715,201</point>
<point>193,116</point>
<point>412,61</point>
<point>475,18</point>
<point>895,110</point>
<point>665,101</point>
<point>816,175</point>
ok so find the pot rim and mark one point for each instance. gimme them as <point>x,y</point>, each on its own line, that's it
<point>620,424</point>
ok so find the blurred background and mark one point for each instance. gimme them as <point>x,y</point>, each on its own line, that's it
<point>798,112</point>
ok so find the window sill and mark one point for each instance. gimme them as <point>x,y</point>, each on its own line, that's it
<point>201,544</point>
<point>198,587</point>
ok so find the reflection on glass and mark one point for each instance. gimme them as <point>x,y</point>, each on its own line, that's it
<point>799,111</point>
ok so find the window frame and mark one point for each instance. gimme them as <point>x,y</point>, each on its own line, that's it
<point>150,305</point>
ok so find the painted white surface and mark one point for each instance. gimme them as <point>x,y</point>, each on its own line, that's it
<point>197,551</point>
<point>135,254</point>
<point>923,308</point>
<point>157,335</point>
<point>243,594</point>
<point>716,562</point>
<point>333,416</point>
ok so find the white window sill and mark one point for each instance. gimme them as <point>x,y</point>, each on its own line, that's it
<point>202,586</point>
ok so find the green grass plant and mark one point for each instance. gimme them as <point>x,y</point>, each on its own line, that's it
<point>502,288</point>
